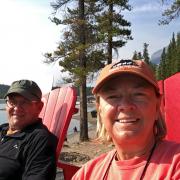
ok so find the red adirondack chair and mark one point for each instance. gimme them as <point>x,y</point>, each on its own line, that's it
<point>171,94</point>
<point>59,106</point>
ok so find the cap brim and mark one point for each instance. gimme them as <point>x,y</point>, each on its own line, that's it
<point>100,84</point>
<point>23,93</point>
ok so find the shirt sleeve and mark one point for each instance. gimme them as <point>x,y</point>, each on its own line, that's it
<point>40,158</point>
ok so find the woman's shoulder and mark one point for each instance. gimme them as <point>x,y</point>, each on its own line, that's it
<point>169,145</point>
<point>168,150</point>
<point>100,161</point>
<point>95,167</point>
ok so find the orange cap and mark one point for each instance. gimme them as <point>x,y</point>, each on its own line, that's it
<point>137,67</point>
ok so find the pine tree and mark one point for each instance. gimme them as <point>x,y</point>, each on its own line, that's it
<point>171,13</point>
<point>139,56</point>
<point>168,61</point>
<point>161,68</point>
<point>178,53</point>
<point>170,57</point>
<point>135,56</point>
<point>81,52</point>
<point>174,55</point>
<point>112,26</point>
<point>145,53</point>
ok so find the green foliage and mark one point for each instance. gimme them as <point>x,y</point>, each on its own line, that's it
<point>170,59</point>
<point>145,57</point>
<point>178,52</point>
<point>135,56</point>
<point>3,90</point>
<point>138,55</point>
<point>112,27</point>
<point>74,45</point>
<point>105,29</point>
<point>161,70</point>
<point>171,13</point>
<point>92,30</point>
<point>145,53</point>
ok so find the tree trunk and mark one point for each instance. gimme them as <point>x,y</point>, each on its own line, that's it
<point>82,58</point>
<point>83,113</point>
<point>109,34</point>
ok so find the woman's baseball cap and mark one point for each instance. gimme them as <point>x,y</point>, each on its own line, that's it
<point>136,67</point>
<point>26,88</point>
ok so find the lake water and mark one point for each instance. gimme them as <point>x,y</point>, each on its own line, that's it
<point>3,119</point>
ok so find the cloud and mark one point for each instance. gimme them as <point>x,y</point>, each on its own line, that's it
<point>148,7</point>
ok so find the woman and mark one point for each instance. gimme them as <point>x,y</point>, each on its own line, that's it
<point>128,106</point>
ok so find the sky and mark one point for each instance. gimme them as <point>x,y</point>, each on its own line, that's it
<point>27,33</point>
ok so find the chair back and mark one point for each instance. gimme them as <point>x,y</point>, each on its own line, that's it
<point>172,107</point>
<point>59,106</point>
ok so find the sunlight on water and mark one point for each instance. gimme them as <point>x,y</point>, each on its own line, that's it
<point>3,116</point>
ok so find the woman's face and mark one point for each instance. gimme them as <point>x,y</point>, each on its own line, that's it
<point>128,108</point>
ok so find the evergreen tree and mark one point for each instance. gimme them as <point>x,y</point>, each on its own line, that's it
<point>170,57</point>
<point>174,55</point>
<point>171,13</point>
<point>145,53</point>
<point>177,65</point>
<point>139,56</point>
<point>82,52</point>
<point>78,53</point>
<point>161,68</point>
<point>135,56</point>
<point>112,26</point>
<point>168,61</point>
<point>163,64</point>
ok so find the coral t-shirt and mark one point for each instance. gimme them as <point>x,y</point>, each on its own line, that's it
<point>164,165</point>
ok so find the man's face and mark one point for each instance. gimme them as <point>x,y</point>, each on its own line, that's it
<point>128,108</point>
<point>21,112</point>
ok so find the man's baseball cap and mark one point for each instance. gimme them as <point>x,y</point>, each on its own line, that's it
<point>136,67</point>
<point>26,88</point>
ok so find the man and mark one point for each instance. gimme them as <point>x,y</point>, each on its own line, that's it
<point>128,107</point>
<point>27,148</point>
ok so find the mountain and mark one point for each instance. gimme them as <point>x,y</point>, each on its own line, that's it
<point>155,57</point>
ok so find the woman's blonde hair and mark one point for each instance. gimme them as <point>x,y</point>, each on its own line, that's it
<point>160,129</point>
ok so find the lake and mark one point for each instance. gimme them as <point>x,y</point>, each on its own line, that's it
<point>73,123</point>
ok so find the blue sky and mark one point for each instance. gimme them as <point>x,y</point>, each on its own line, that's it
<point>145,29</point>
<point>26,34</point>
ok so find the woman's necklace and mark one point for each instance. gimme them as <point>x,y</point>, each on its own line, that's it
<point>148,161</point>
<point>145,167</point>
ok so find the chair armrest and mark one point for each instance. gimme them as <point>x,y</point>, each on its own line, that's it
<point>68,169</point>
